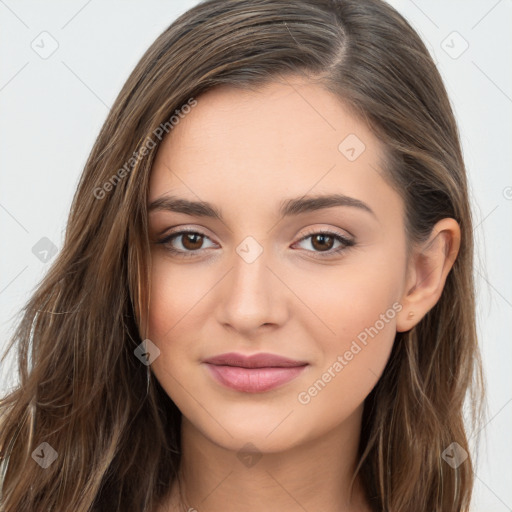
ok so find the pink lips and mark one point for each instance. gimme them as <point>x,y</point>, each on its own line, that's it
<point>253,374</point>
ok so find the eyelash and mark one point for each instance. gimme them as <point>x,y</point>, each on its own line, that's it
<point>345,243</point>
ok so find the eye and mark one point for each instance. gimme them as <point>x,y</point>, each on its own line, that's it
<point>191,242</point>
<point>323,242</point>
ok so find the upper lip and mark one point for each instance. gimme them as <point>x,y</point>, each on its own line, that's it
<point>261,360</point>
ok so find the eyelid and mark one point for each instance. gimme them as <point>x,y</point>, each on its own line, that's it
<point>332,231</point>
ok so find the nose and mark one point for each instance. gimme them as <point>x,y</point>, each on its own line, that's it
<point>252,295</point>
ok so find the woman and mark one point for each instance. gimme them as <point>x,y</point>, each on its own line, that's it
<point>264,300</point>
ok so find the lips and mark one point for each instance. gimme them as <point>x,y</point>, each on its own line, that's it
<point>262,360</point>
<point>255,373</point>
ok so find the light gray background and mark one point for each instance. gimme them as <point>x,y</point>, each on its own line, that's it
<point>53,107</point>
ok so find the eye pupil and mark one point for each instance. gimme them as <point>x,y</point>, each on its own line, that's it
<point>322,238</point>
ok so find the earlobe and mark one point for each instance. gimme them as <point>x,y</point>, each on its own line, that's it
<point>429,267</point>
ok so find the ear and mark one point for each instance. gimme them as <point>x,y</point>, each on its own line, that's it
<point>428,268</point>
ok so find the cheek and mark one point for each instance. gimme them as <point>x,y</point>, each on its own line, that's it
<point>353,358</point>
<point>176,301</point>
<point>346,300</point>
<point>353,323</point>
<point>175,292</point>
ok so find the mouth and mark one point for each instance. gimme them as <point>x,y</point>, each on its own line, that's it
<point>253,374</point>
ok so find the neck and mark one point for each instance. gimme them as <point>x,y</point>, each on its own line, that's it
<point>315,475</point>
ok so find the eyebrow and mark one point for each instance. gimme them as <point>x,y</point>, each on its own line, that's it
<point>288,207</point>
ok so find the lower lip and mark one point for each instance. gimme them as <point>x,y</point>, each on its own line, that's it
<point>253,380</point>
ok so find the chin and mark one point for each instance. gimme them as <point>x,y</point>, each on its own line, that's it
<point>268,434</point>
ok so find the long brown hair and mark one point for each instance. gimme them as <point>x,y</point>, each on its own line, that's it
<point>82,390</point>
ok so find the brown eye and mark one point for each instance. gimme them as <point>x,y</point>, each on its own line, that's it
<point>322,242</point>
<point>192,241</point>
<point>185,243</point>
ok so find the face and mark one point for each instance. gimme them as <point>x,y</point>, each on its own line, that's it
<point>318,282</point>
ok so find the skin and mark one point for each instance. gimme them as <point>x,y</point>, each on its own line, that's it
<point>245,152</point>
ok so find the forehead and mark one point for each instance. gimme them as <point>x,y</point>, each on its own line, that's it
<point>287,138</point>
